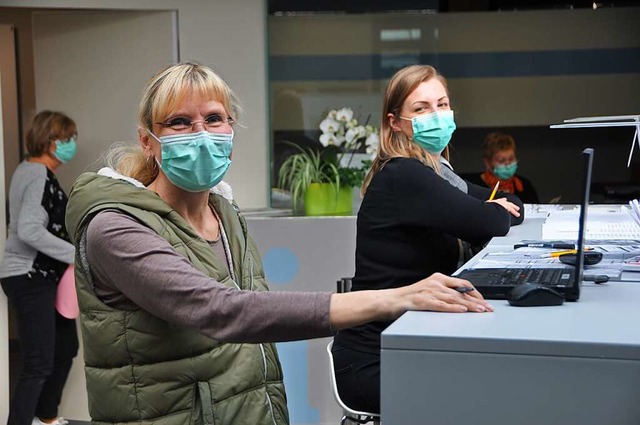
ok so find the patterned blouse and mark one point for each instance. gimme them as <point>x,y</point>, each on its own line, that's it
<point>54,201</point>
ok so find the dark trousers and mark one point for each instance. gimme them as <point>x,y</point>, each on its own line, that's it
<point>48,344</point>
<point>357,378</point>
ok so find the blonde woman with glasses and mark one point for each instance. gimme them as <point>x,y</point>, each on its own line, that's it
<point>178,324</point>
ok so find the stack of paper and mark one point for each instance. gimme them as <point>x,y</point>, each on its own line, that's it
<point>603,223</point>
<point>634,210</point>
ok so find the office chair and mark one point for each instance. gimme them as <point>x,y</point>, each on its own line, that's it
<point>344,285</point>
<point>355,416</point>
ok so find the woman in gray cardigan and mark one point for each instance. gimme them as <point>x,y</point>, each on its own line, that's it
<point>36,255</point>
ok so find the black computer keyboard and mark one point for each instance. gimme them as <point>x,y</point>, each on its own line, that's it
<point>551,277</point>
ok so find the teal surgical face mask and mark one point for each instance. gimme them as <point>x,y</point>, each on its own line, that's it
<point>195,162</point>
<point>504,172</point>
<point>65,150</point>
<point>433,131</point>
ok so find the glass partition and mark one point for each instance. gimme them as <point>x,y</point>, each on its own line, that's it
<point>511,71</point>
<point>320,63</point>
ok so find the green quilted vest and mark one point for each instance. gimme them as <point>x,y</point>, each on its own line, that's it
<point>141,369</point>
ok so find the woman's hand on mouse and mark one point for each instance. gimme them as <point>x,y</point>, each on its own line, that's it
<point>435,293</point>
<point>513,209</point>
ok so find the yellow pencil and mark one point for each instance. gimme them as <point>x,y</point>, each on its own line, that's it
<point>559,253</point>
<point>495,189</point>
<point>568,251</point>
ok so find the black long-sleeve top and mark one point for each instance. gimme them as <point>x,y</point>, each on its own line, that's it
<point>408,228</point>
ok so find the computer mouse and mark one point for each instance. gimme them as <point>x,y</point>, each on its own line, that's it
<point>590,258</point>
<point>597,278</point>
<point>534,295</point>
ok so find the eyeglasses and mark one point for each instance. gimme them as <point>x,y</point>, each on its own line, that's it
<point>209,123</point>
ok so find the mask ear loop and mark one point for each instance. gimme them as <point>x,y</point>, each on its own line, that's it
<point>151,158</point>
<point>155,164</point>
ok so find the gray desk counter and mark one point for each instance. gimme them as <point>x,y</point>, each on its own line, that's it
<point>578,363</point>
<point>603,323</point>
<point>531,228</point>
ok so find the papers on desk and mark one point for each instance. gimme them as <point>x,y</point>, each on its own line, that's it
<point>540,210</point>
<point>603,222</point>
<point>615,252</point>
<point>634,210</point>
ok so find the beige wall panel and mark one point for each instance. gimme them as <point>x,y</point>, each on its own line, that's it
<point>301,105</point>
<point>4,308</point>
<point>209,32</point>
<point>21,20</point>
<point>479,102</point>
<point>212,35</point>
<point>539,30</point>
<point>99,61</point>
<point>456,32</point>
<point>10,117</point>
<point>484,102</point>
<point>345,34</point>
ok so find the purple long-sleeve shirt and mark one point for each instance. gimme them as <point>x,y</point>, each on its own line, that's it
<point>133,267</point>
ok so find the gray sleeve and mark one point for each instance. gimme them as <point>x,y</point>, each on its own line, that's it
<point>128,257</point>
<point>33,220</point>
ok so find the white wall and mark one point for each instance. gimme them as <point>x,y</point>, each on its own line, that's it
<point>100,60</point>
<point>229,35</point>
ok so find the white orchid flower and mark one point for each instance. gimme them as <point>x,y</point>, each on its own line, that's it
<point>341,129</point>
<point>352,135</point>
<point>331,139</point>
<point>373,140</point>
<point>327,139</point>
<point>344,114</point>
<point>372,150</point>
<point>329,125</point>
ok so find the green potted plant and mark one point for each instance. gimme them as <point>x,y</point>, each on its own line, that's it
<point>325,178</point>
<point>316,181</point>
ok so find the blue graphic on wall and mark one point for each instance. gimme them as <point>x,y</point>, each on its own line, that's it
<point>294,357</point>
<point>280,265</point>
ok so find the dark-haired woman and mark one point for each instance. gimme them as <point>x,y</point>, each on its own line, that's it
<point>37,253</point>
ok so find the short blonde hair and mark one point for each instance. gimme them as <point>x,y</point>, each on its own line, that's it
<point>47,127</point>
<point>169,87</point>
<point>497,142</point>
<point>395,144</point>
<point>164,92</point>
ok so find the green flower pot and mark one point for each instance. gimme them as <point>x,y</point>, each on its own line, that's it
<point>321,199</point>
